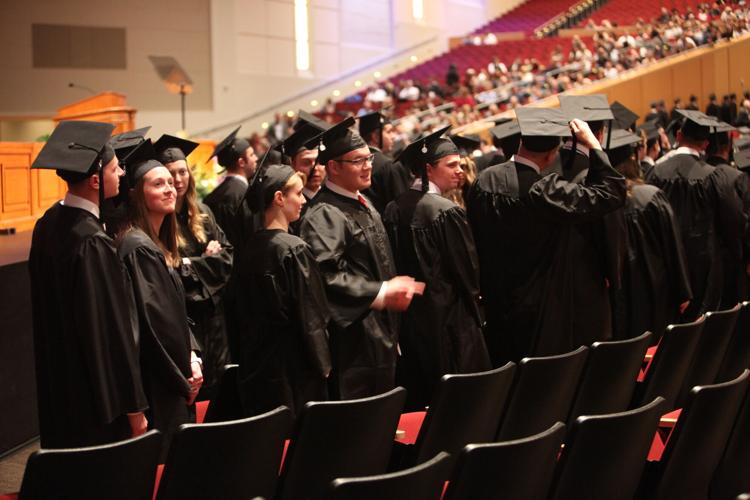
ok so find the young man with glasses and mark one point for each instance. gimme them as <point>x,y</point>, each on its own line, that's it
<point>348,240</point>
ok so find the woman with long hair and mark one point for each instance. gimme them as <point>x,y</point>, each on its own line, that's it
<point>468,176</point>
<point>171,370</point>
<point>205,261</point>
<point>284,356</point>
<point>655,284</point>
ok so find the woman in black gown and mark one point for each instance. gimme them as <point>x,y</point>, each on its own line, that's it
<point>206,262</point>
<point>170,367</point>
<point>284,356</point>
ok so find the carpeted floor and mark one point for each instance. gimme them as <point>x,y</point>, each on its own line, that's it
<point>12,467</point>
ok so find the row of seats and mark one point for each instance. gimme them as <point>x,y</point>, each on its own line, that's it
<point>628,12</point>
<point>526,17</point>
<point>522,406</point>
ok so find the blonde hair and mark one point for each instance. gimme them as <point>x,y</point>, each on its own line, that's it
<point>458,195</point>
<point>196,218</point>
<point>166,240</point>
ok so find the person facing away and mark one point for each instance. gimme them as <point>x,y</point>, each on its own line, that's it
<point>707,208</point>
<point>88,378</point>
<point>236,155</point>
<point>284,354</point>
<point>522,220</point>
<point>441,332</point>
<point>350,245</point>
<point>171,369</point>
<point>205,262</point>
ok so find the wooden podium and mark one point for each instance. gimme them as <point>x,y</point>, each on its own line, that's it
<point>26,194</point>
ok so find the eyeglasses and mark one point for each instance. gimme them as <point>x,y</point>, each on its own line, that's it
<point>359,162</point>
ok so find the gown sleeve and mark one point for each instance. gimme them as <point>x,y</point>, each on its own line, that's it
<point>165,337</point>
<point>213,271</point>
<point>671,244</point>
<point>350,294</point>
<point>308,295</point>
<point>105,331</point>
<point>603,192</point>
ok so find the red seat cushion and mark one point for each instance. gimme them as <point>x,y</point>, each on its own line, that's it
<point>201,407</point>
<point>410,423</point>
<point>657,448</point>
<point>9,496</point>
<point>159,472</point>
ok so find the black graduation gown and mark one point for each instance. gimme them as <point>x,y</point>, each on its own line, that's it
<point>284,356</point>
<point>732,252</point>
<point>441,331</point>
<point>645,168</point>
<point>87,370</point>
<point>204,280</point>
<point>655,276</point>
<point>523,225</point>
<point>351,247</point>
<point>165,336</point>
<point>708,211</point>
<point>224,201</point>
<point>489,159</point>
<point>389,179</point>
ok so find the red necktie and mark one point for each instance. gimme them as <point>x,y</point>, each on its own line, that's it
<point>362,200</point>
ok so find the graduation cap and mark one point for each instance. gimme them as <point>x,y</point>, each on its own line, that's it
<point>542,128</point>
<point>742,143</point>
<point>170,148</point>
<point>336,141</point>
<point>589,108</point>
<point>140,162</point>
<point>371,122</point>
<point>624,118</point>
<point>265,182</point>
<point>700,126</point>
<point>466,144</point>
<point>650,129</point>
<point>507,136</point>
<point>229,150</point>
<point>621,146</point>
<point>296,142</point>
<point>428,149</point>
<point>124,143</point>
<point>305,118</point>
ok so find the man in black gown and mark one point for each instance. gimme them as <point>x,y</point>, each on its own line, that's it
<point>88,377</point>
<point>522,221</point>
<point>238,158</point>
<point>652,147</point>
<point>431,240</point>
<point>350,244</point>
<point>389,178</point>
<point>707,207</point>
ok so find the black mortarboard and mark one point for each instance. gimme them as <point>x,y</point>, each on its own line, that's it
<point>371,122</point>
<point>296,142</point>
<point>170,148</point>
<point>336,141</point>
<point>542,128</point>
<point>124,143</point>
<point>700,126</point>
<point>742,143</point>
<point>140,162</point>
<point>507,136</point>
<point>428,149</point>
<point>742,158</point>
<point>265,183</point>
<point>589,108</point>
<point>624,118</point>
<point>466,144</point>
<point>651,129</point>
<point>229,150</point>
<point>303,118</point>
<point>621,146</point>
<point>76,147</point>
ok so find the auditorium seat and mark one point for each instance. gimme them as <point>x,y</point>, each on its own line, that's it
<point>605,454</point>
<point>697,443</point>
<point>226,404</point>
<point>609,377</point>
<point>732,477</point>
<point>542,393</point>
<point>737,357</point>
<point>228,460</point>
<point>424,481</point>
<point>672,359</point>
<point>712,346</point>
<point>119,471</point>
<point>466,408</point>
<point>519,469</point>
<point>527,16</point>
<point>334,439</point>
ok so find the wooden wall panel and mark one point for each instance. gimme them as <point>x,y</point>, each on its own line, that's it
<point>739,67</point>
<point>685,82</point>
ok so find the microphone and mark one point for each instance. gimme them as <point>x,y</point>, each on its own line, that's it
<point>82,87</point>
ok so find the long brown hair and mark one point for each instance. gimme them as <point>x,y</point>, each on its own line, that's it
<point>166,240</point>
<point>196,218</point>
